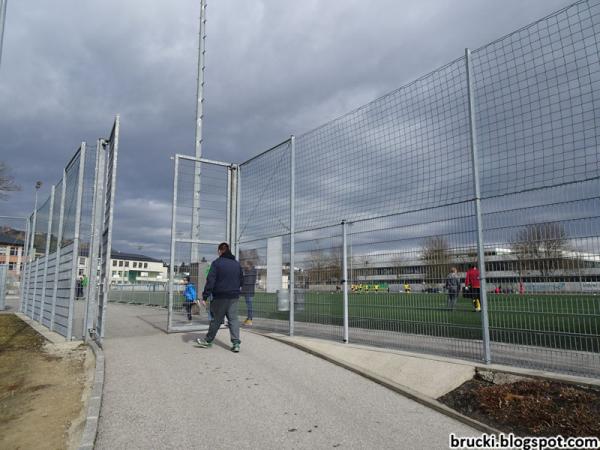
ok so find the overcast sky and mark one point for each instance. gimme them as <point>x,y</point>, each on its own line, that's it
<point>274,68</point>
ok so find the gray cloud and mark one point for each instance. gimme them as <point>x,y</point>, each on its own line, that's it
<point>273,68</point>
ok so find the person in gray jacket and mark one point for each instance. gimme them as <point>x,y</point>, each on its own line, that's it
<point>224,281</point>
<point>453,288</point>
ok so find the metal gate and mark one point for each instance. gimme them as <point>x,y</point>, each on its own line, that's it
<point>102,235</point>
<point>203,216</point>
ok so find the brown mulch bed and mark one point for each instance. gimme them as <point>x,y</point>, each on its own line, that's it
<point>530,407</point>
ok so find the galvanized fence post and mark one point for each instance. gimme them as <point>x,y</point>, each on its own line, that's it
<point>173,237</point>
<point>238,178</point>
<point>25,265</point>
<point>345,276</point>
<point>47,256</point>
<point>59,245</point>
<point>73,280</point>
<point>91,304</point>
<point>476,186</point>
<point>229,203</point>
<point>32,258</point>
<point>292,229</point>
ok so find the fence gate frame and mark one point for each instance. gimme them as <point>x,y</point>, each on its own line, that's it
<point>231,218</point>
<point>101,242</point>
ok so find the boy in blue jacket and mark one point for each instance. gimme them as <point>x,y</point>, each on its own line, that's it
<point>190,296</point>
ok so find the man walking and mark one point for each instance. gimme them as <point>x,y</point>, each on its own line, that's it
<point>224,280</point>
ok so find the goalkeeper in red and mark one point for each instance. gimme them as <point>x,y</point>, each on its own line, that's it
<point>473,286</point>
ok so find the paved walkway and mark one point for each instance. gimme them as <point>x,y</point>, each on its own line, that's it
<point>162,392</point>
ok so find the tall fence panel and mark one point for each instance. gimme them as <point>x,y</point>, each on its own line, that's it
<point>13,242</point>
<point>538,101</point>
<point>456,215</point>
<point>107,193</point>
<point>263,237</point>
<point>400,173</point>
<point>59,241</point>
<point>196,235</point>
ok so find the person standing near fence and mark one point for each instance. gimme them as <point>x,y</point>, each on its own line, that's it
<point>189,295</point>
<point>452,286</point>
<point>224,282</point>
<point>248,289</point>
<point>472,285</point>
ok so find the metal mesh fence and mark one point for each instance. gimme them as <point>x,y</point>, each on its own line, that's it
<point>465,202</point>
<point>401,171</point>
<point>200,223</point>
<point>13,236</point>
<point>58,247</point>
<point>264,237</point>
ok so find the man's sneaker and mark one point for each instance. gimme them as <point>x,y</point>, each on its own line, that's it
<point>248,322</point>
<point>235,348</point>
<point>202,343</point>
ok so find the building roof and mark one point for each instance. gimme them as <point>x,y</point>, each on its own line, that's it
<point>132,257</point>
<point>123,255</point>
<point>6,239</point>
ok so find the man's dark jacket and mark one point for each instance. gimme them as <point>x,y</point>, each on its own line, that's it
<point>225,278</point>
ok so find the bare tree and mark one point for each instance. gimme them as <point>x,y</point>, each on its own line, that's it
<point>539,248</point>
<point>436,256</point>
<point>324,266</point>
<point>7,182</point>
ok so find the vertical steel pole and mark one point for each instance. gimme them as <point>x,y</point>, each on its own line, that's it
<point>73,280</point>
<point>238,176</point>
<point>229,209</point>
<point>108,213</point>
<point>47,256</point>
<point>345,275</point>
<point>198,141</point>
<point>32,254</point>
<point>480,243</point>
<point>173,237</point>
<point>23,273</point>
<point>292,229</point>
<point>3,4</point>
<point>91,304</point>
<point>27,280</point>
<point>59,245</point>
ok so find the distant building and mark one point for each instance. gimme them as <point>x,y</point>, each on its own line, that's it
<point>130,268</point>
<point>11,253</point>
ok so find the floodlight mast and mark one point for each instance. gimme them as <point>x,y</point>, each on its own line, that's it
<point>199,118</point>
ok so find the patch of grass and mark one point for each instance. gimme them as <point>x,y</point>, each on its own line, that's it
<point>17,335</point>
<point>546,320</point>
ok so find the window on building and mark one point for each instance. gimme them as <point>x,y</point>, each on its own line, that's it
<point>114,263</point>
<point>114,273</point>
<point>81,272</point>
<point>126,263</point>
<point>134,264</point>
<point>82,261</point>
<point>145,265</point>
<point>11,266</point>
<point>120,273</point>
<point>120,263</point>
<point>14,251</point>
<point>3,250</point>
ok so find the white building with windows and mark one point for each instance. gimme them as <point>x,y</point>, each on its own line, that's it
<point>129,268</point>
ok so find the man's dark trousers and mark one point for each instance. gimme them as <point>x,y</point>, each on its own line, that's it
<point>221,308</point>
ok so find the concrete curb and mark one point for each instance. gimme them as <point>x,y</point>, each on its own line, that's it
<point>94,402</point>
<point>392,385</point>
